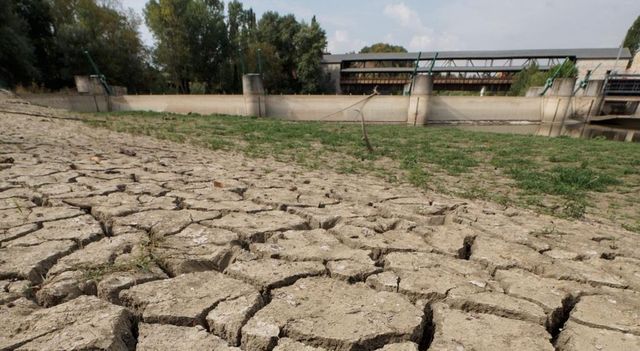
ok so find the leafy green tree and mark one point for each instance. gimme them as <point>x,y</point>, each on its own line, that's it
<point>208,41</point>
<point>632,40</point>
<point>266,55</point>
<point>382,47</point>
<point>241,28</point>
<point>166,20</point>
<point>386,48</point>
<point>279,32</point>
<point>107,32</point>
<point>37,16</point>
<point>17,59</point>
<point>311,42</point>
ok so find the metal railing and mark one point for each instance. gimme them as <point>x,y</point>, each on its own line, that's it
<point>622,85</point>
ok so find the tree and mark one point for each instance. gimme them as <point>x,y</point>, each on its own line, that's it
<point>37,16</point>
<point>382,47</point>
<point>279,32</point>
<point>106,31</point>
<point>241,28</point>
<point>632,39</point>
<point>207,40</point>
<point>166,20</point>
<point>311,42</point>
<point>17,59</point>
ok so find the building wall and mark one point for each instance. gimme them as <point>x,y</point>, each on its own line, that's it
<point>600,73</point>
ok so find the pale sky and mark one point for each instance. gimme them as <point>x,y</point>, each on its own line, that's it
<point>432,25</point>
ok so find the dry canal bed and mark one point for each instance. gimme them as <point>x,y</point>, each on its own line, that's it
<point>110,241</point>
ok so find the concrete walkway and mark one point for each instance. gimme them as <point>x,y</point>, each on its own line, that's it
<point>115,242</point>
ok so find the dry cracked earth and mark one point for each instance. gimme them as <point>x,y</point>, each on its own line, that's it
<point>115,242</point>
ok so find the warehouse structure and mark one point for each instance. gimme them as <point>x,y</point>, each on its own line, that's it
<point>491,71</point>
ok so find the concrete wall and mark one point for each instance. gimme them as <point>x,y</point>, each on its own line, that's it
<point>380,109</point>
<point>78,103</point>
<point>446,109</point>
<point>582,106</point>
<point>204,104</point>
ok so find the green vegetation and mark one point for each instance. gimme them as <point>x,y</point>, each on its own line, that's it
<point>200,46</point>
<point>42,42</point>
<point>382,47</point>
<point>632,39</point>
<point>562,176</point>
<point>533,77</point>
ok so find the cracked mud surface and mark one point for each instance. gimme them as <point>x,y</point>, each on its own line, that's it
<point>115,242</point>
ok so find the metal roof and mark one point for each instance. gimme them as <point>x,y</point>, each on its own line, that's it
<point>594,54</point>
<point>439,69</point>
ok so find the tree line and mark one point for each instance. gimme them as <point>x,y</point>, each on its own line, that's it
<point>200,46</point>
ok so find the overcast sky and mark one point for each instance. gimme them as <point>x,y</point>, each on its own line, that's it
<point>432,25</point>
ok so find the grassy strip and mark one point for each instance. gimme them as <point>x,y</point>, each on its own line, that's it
<point>557,176</point>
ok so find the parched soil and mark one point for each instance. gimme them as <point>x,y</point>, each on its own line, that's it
<point>116,242</point>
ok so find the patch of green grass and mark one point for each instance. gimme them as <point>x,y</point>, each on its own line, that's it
<point>527,170</point>
<point>633,227</point>
<point>574,208</point>
<point>565,181</point>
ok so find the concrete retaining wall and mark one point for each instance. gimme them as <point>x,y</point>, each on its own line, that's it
<point>447,109</point>
<point>379,109</point>
<point>203,104</point>
<point>583,106</point>
<point>78,103</point>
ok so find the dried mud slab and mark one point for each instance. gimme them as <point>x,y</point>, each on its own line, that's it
<point>457,330</point>
<point>257,227</point>
<point>268,274</point>
<point>197,248</point>
<point>32,262</point>
<point>159,337</point>
<point>86,323</point>
<point>324,312</point>
<point>183,300</point>
<point>578,337</point>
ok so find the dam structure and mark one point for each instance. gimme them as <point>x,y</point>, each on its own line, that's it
<point>418,89</point>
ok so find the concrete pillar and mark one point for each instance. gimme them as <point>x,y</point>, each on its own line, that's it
<point>419,101</point>
<point>629,137</point>
<point>254,98</point>
<point>594,87</point>
<point>556,106</point>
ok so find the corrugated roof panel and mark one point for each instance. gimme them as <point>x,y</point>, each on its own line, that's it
<point>438,69</point>
<point>597,53</point>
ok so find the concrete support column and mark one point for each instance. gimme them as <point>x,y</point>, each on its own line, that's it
<point>419,101</point>
<point>629,137</point>
<point>556,106</point>
<point>594,87</point>
<point>254,97</point>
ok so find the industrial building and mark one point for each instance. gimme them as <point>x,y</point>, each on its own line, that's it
<point>490,71</point>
